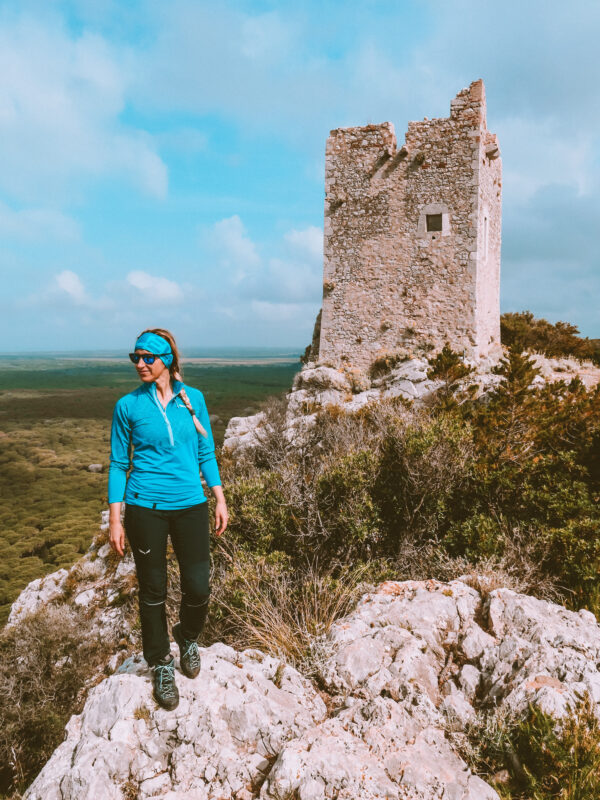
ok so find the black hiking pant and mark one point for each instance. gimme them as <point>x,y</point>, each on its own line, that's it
<point>147,531</point>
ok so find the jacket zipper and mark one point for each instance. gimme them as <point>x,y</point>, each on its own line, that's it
<point>164,413</point>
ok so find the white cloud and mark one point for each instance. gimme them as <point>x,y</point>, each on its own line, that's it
<point>281,312</point>
<point>139,291</point>
<point>60,101</point>
<point>234,250</point>
<point>290,273</point>
<point>538,63</point>
<point>288,280</point>
<point>154,289</point>
<point>70,283</point>
<point>253,68</point>
<point>535,154</point>
<point>308,241</point>
<point>67,290</point>
<point>36,223</point>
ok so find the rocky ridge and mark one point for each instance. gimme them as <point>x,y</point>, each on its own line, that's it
<point>413,661</point>
<point>100,584</point>
<point>317,386</point>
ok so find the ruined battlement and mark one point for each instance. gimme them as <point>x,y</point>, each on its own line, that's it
<point>412,237</point>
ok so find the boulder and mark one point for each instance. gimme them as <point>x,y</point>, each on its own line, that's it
<point>98,582</point>
<point>241,431</point>
<point>231,721</point>
<point>37,594</point>
<point>321,378</point>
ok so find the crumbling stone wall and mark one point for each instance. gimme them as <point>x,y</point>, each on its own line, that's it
<point>389,283</point>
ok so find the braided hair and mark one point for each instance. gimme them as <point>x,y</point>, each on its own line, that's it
<point>175,372</point>
<point>186,401</point>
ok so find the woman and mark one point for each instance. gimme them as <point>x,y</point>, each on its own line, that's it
<point>166,425</point>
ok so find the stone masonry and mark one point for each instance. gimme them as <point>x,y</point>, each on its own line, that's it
<point>412,238</point>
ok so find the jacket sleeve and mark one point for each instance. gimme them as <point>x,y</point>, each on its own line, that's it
<point>120,453</point>
<point>206,447</point>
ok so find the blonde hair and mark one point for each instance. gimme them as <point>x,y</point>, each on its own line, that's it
<point>176,373</point>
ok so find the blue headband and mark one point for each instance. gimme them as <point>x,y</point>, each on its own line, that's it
<point>155,344</point>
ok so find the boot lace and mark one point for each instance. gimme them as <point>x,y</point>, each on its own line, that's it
<point>165,674</point>
<point>191,653</point>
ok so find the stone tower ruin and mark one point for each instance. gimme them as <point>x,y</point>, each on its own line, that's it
<point>412,238</point>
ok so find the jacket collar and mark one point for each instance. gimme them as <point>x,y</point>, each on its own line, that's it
<point>177,387</point>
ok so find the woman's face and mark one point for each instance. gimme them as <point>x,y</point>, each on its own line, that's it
<point>149,372</point>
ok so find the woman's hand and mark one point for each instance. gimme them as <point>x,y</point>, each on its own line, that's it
<point>116,535</point>
<point>221,513</point>
<point>221,517</point>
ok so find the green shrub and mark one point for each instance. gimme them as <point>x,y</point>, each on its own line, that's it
<point>448,366</point>
<point>572,553</point>
<point>479,536</point>
<point>542,758</point>
<point>260,514</point>
<point>348,508</point>
<point>522,331</point>
<point>534,467</point>
<point>424,462</point>
<point>559,760</point>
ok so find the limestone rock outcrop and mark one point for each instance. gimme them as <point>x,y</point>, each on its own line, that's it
<point>219,742</point>
<point>413,661</point>
<point>99,583</point>
<point>565,369</point>
<point>317,386</point>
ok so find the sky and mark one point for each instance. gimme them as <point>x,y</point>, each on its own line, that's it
<point>162,163</point>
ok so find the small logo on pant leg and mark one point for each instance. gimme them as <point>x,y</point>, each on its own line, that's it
<point>144,552</point>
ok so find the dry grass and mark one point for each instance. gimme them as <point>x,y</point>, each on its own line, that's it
<point>517,568</point>
<point>142,712</point>
<point>45,663</point>
<point>285,614</point>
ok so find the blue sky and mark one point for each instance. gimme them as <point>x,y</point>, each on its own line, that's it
<point>161,163</point>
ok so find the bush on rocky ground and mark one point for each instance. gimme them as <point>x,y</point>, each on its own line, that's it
<point>521,330</point>
<point>511,478</point>
<point>359,485</point>
<point>536,468</point>
<point>385,363</point>
<point>45,662</point>
<point>261,603</point>
<point>449,368</point>
<point>534,756</point>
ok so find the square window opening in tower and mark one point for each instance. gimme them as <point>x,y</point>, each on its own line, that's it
<point>434,222</point>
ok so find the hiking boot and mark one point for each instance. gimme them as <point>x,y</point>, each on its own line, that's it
<point>189,657</point>
<point>165,691</point>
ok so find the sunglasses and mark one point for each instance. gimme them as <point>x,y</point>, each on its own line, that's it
<point>147,358</point>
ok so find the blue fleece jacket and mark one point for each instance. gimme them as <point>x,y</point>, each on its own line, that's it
<point>163,449</point>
